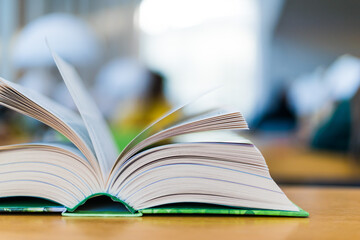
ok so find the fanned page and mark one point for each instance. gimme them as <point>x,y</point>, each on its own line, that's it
<point>216,120</point>
<point>163,122</point>
<point>104,145</point>
<point>211,118</point>
<point>50,113</point>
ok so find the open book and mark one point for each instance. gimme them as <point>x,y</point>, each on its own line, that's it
<point>90,177</point>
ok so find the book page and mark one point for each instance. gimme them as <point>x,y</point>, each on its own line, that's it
<point>218,121</point>
<point>39,107</point>
<point>164,122</point>
<point>99,132</point>
<point>54,171</point>
<point>206,117</point>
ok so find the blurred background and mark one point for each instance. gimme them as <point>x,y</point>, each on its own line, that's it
<point>291,67</point>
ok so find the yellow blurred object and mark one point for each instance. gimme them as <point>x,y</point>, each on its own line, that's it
<point>141,114</point>
<point>145,112</point>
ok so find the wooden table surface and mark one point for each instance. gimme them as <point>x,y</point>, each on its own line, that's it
<point>334,214</point>
<point>289,164</point>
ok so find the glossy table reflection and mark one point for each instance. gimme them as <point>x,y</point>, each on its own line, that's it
<point>334,213</point>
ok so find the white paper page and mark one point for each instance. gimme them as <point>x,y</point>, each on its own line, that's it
<point>30,103</point>
<point>163,121</point>
<point>99,132</point>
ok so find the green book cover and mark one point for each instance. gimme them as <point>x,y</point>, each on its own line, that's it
<point>196,208</point>
<point>105,205</point>
<point>30,205</point>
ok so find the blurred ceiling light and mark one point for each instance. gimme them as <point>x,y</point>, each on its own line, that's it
<point>157,16</point>
<point>204,43</point>
<point>67,35</point>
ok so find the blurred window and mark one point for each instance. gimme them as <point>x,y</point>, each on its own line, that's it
<point>202,44</point>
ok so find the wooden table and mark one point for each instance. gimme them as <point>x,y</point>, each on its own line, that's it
<point>293,164</point>
<point>334,214</point>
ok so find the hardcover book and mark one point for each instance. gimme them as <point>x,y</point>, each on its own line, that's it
<point>90,178</point>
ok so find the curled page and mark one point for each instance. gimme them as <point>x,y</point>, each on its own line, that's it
<point>39,107</point>
<point>104,145</point>
<point>217,120</point>
<point>163,122</point>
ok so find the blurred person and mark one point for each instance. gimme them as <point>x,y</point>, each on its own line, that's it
<point>148,108</point>
<point>120,82</point>
<point>354,143</point>
<point>309,99</point>
<point>333,133</point>
<point>130,97</point>
<point>338,131</point>
<point>151,105</point>
<point>279,117</point>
